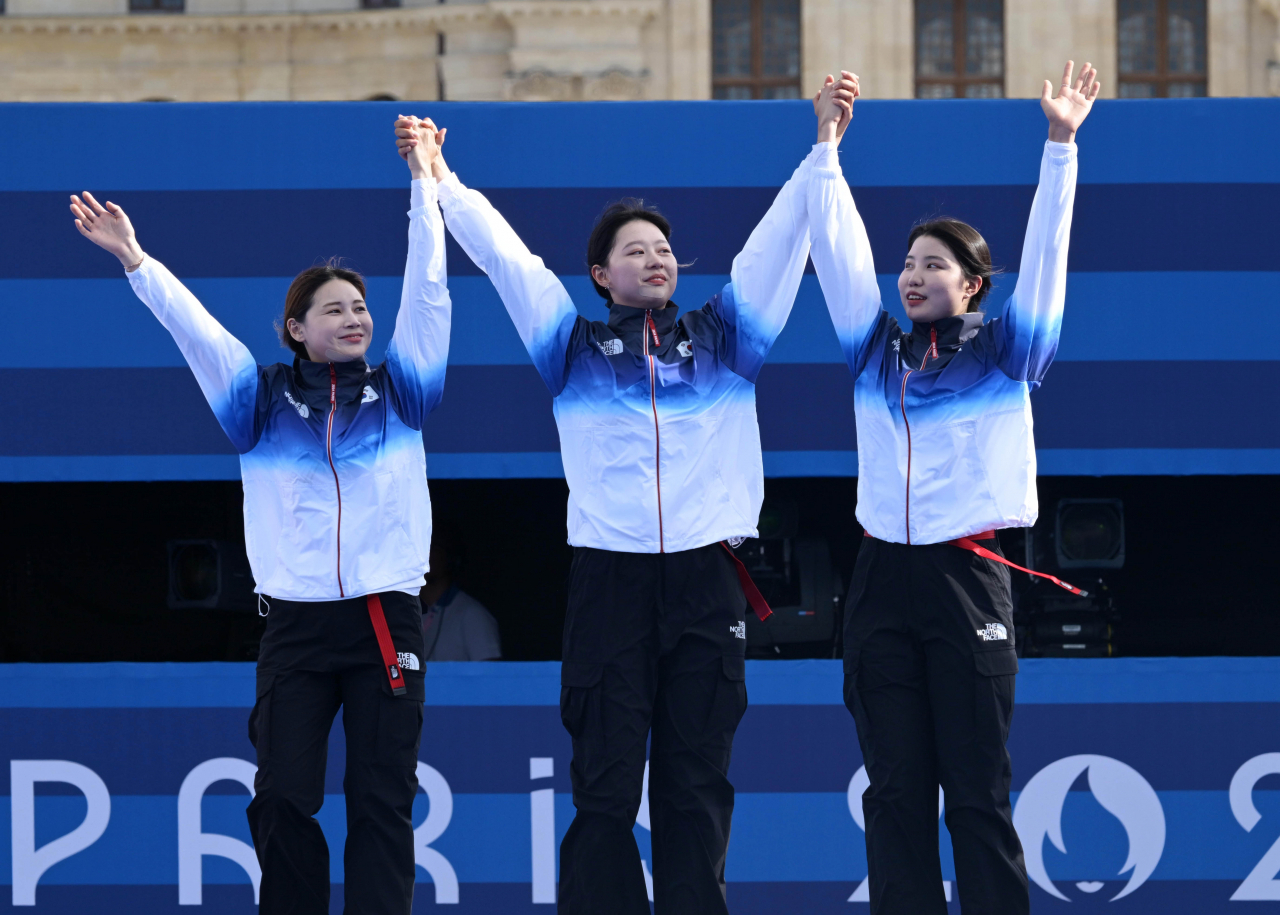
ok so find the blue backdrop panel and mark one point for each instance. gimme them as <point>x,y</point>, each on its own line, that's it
<point>1156,372</point>
<point>1170,765</point>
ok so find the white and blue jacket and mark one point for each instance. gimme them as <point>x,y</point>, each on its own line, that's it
<point>945,445</point>
<point>657,416</point>
<point>331,454</point>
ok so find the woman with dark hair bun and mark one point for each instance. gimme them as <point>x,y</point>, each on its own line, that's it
<point>338,526</point>
<point>661,452</point>
<point>945,458</point>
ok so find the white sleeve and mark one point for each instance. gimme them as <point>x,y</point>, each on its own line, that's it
<point>1032,318</point>
<point>765,277</point>
<point>419,347</point>
<point>534,297</point>
<point>223,366</point>
<point>842,257</point>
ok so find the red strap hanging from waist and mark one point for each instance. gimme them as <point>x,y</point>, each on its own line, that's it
<point>389,659</point>
<point>753,595</point>
<point>966,543</point>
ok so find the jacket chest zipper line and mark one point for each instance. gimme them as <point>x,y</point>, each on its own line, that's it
<point>657,435</point>
<point>328,445</point>
<point>930,353</point>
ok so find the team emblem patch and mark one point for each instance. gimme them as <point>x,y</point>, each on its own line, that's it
<point>302,408</point>
<point>993,632</point>
<point>611,347</point>
<point>684,348</point>
<point>370,395</point>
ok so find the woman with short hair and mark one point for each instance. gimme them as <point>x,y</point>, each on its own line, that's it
<point>338,526</point>
<point>661,452</point>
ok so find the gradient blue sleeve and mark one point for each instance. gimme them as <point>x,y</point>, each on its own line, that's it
<point>1027,338</point>
<point>765,278</point>
<point>419,348</point>
<point>534,297</point>
<point>842,258</point>
<point>223,366</point>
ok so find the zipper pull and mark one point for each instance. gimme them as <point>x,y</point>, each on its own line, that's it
<point>333,385</point>
<point>653,328</point>
<point>933,341</point>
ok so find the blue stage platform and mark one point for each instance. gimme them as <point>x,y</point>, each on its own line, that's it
<point>1159,369</point>
<point>1153,782</point>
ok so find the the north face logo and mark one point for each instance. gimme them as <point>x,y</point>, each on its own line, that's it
<point>739,630</point>
<point>993,632</point>
<point>408,660</point>
<point>611,347</point>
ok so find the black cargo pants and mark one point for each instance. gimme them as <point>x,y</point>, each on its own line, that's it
<point>316,657</point>
<point>929,667</point>
<point>653,649</point>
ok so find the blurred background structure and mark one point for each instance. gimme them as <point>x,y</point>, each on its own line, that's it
<point>531,50</point>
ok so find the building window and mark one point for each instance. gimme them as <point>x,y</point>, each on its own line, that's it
<point>959,48</point>
<point>1162,48</point>
<point>157,6</point>
<point>756,49</point>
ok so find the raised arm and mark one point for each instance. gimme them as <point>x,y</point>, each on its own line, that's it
<point>534,297</point>
<point>1032,318</point>
<point>841,249</point>
<point>419,348</point>
<point>765,276</point>
<point>223,366</point>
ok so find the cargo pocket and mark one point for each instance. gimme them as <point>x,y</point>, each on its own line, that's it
<point>400,722</point>
<point>260,717</point>
<point>999,663</point>
<point>730,702</point>
<point>993,692</point>
<point>578,680</point>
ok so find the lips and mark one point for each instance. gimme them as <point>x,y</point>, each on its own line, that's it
<point>656,280</point>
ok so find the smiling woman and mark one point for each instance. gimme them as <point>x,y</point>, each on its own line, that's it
<point>337,527</point>
<point>657,420</point>
<point>326,318</point>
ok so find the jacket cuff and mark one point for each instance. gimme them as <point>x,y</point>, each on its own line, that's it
<point>1059,151</point>
<point>449,188</point>
<point>825,156</point>
<point>422,193</point>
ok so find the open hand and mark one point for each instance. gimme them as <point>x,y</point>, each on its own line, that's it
<point>1074,102</point>
<point>107,227</point>
<point>418,141</point>
<point>834,106</point>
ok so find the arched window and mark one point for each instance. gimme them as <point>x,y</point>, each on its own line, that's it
<point>959,48</point>
<point>755,49</point>
<point>1162,48</point>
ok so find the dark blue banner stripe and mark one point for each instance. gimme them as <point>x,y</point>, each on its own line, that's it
<point>242,233</point>
<point>802,407</point>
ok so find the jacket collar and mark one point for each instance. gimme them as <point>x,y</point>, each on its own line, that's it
<point>628,322</point>
<point>308,375</point>
<point>951,331</point>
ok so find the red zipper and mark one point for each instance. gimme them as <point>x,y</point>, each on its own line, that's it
<point>657,435</point>
<point>931,352</point>
<point>328,444</point>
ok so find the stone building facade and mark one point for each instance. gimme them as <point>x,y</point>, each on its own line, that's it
<point>214,50</point>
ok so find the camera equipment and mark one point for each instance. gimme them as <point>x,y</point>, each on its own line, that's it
<point>209,575</point>
<point>796,576</point>
<point>1086,534</point>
